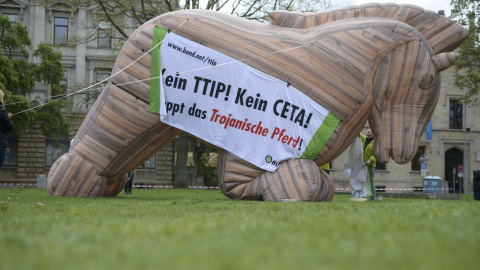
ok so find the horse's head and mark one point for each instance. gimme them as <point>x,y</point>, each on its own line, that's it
<point>405,86</point>
<point>404,79</point>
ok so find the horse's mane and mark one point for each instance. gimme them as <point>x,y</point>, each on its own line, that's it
<point>443,34</point>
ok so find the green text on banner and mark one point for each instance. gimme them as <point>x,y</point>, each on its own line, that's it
<point>158,36</point>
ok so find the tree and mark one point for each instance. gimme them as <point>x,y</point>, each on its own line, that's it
<point>18,78</point>
<point>181,143</point>
<point>126,15</point>
<point>466,13</point>
<point>201,163</point>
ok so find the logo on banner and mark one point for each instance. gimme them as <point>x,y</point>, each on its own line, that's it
<point>269,160</point>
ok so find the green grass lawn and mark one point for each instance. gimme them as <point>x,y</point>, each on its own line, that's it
<point>202,229</point>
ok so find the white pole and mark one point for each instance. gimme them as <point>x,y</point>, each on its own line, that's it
<point>454,178</point>
<point>465,156</point>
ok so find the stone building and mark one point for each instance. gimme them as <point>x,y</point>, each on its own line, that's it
<point>89,62</point>
<point>446,149</point>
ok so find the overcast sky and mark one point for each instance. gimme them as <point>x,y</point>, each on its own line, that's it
<point>434,5</point>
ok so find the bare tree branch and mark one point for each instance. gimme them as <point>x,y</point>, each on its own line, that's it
<point>119,29</point>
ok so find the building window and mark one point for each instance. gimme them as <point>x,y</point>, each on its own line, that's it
<point>12,17</point>
<point>381,166</point>
<point>416,160</point>
<point>60,90</point>
<point>102,76</point>
<point>455,115</point>
<point>150,163</point>
<point>64,83</point>
<point>54,150</point>
<point>61,31</point>
<point>104,35</point>
<point>12,150</point>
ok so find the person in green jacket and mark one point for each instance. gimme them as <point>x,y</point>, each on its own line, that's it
<point>369,160</point>
<point>326,168</point>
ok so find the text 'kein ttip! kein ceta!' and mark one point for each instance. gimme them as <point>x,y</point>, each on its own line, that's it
<point>217,89</point>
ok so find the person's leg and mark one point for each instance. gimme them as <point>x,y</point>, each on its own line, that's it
<point>358,191</point>
<point>371,177</point>
<point>130,186</point>
<point>131,182</point>
<point>3,155</point>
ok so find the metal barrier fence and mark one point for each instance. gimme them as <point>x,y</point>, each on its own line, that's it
<point>213,187</point>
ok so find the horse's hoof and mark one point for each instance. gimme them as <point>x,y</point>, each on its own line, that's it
<point>299,180</point>
<point>296,179</point>
<point>73,176</point>
<point>114,185</point>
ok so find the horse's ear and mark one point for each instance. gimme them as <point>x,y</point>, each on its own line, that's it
<point>443,61</point>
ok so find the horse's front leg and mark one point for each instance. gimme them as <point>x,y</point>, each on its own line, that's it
<point>118,134</point>
<point>295,179</point>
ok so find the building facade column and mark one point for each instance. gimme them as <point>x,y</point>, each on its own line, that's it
<point>81,49</point>
<point>37,26</point>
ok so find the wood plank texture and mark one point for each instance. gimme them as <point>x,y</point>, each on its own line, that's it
<point>442,34</point>
<point>73,176</point>
<point>375,62</point>
<point>297,179</point>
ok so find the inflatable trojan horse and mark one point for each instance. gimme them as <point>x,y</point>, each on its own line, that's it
<point>324,74</point>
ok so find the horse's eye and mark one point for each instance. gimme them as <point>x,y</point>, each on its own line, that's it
<point>427,81</point>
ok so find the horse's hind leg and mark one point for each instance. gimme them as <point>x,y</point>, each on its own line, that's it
<point>297,179</point>
<point>118,135</point>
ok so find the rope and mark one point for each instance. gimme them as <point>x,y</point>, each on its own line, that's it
<point>102,80</point>
<point>61,96</point>
<point>232,62</point>
<point>137,81</point>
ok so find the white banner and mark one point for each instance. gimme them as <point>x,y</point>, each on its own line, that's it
<point>238,108</point>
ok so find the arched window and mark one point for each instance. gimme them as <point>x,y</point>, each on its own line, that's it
<point>416,160</point>
<point>453,158</point>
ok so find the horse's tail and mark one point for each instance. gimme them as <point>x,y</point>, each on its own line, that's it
<point>443,34</point>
